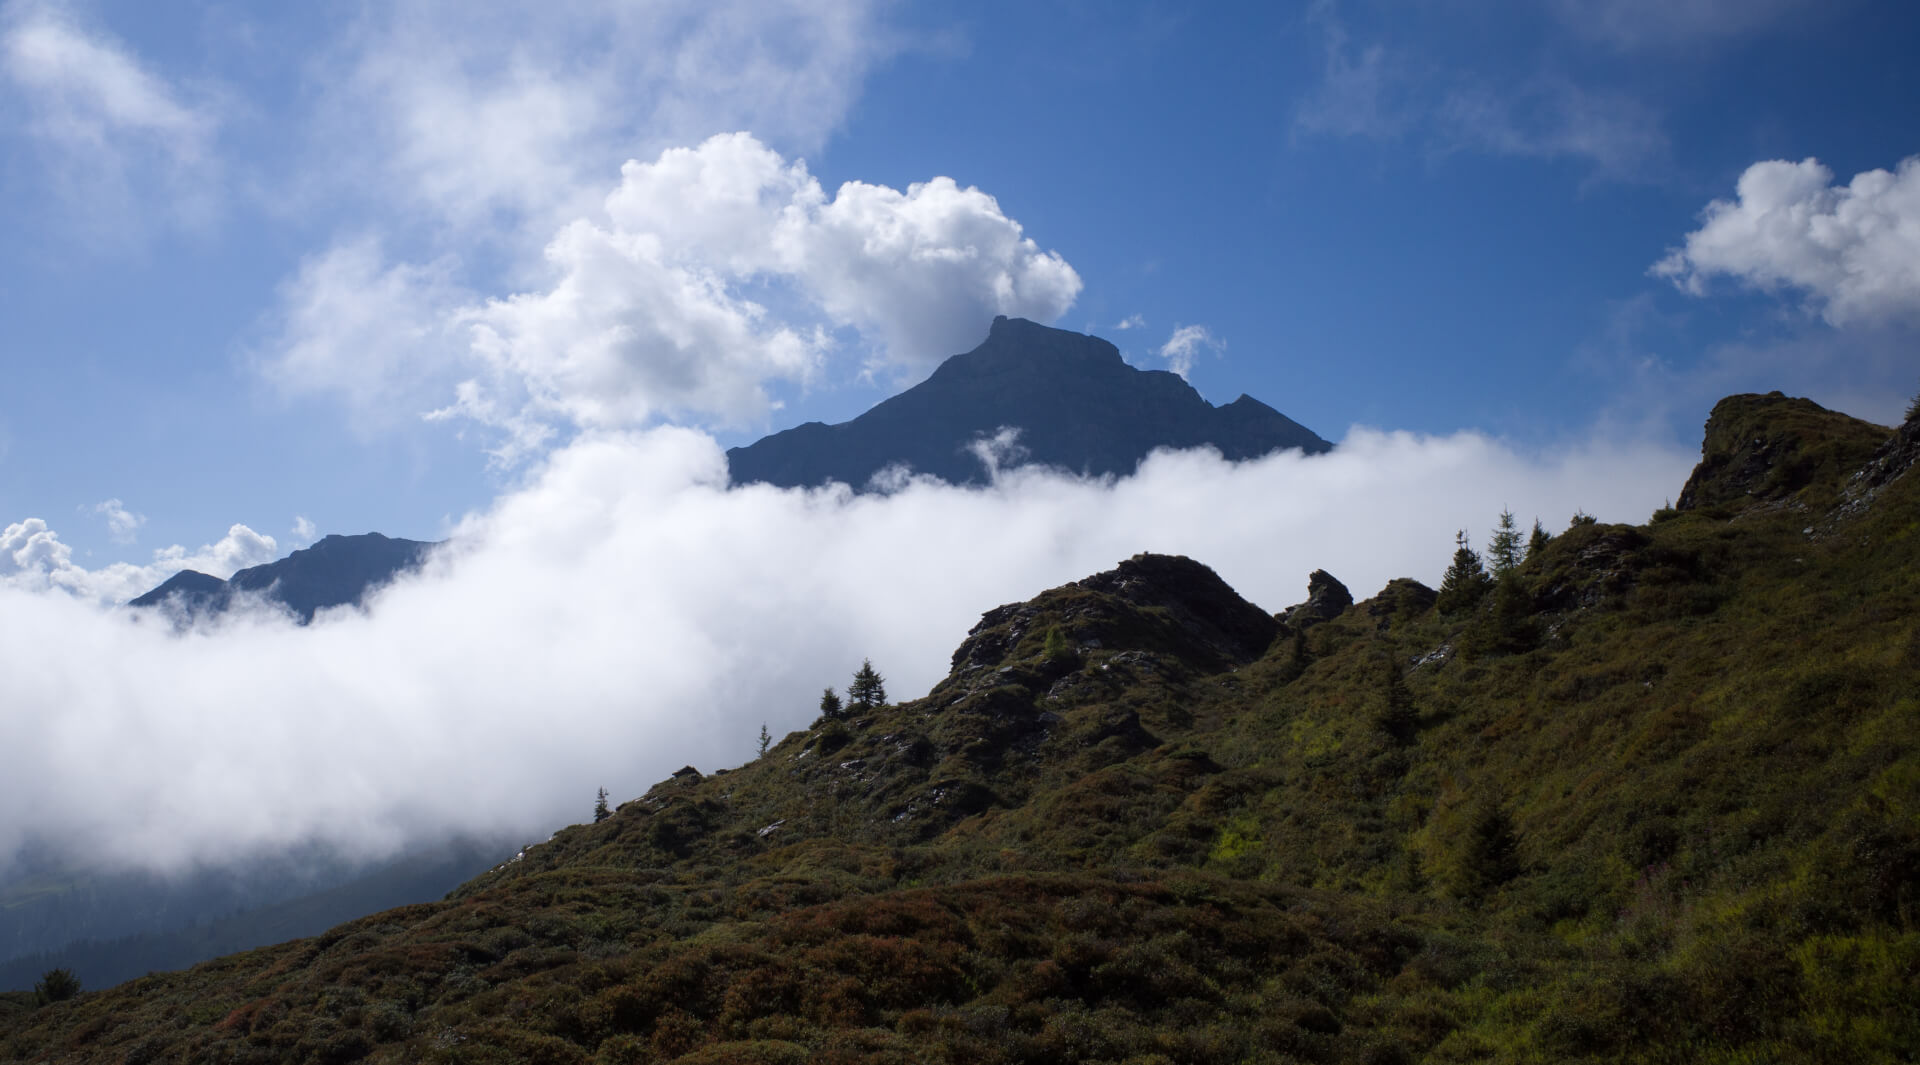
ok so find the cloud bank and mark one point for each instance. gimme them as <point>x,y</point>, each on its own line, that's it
<point>625,613</point>
<point>1853,249</point>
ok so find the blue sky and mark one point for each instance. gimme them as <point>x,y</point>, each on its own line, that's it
<point>514,276</point>
<point>1429,216</point>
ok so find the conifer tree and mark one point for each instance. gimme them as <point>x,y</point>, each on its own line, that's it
<point>1491,853</point>
<point>1300,658</point>
<point>868,689</point>
<point>1504,549</point>
<point>1465,581</point>
<point>1538,540</point>
<point>766,738</point>
<point>1056,646</point>
<point>600,810</point>
<point>829,705</point>
<point>1398,719</point>
<point>56,985</point>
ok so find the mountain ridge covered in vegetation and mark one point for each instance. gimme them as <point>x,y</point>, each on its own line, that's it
<point>1650,794</point>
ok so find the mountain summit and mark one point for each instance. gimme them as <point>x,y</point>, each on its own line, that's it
<point>335,571</point>
<point>1075,401</point>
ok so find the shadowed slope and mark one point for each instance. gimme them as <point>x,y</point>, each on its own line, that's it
<point>1077,404</point>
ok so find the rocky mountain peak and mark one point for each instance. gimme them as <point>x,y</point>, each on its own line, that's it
<point>1075,402</point>
<point>1774,448</point>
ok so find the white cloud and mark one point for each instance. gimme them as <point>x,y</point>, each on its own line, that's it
<point>1131,321</point>
<point>34,559</point>
<point>123,526</point>
<point>1550,118</point>
<point>1363,92</point>
<point>499,114</point>
<point>381,335</point>
<point>1853,249</point>
<point>1672,23</point>
<point>1384,94</point>
<point>475,136</point>
<point>303,529</point>
<point>116,128</point>
<point>712,272</point>
<point>648,617</point>
<point>1186,344</point>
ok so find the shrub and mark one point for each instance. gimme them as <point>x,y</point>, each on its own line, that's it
<point>57,985</point>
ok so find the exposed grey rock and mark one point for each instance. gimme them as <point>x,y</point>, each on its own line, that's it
<point>1327,599</point>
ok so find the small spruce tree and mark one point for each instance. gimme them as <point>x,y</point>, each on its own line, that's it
<point>600,810</point>
<point>1056,648</point>
<point>766,738</point>
<point>1581,517</point>
<point>1538,540</point>
<point>1300,658</point>
<point>1465,581</point>
<point>1491,853</point>
<point>1507,625</point>
<point>1398,718</point>
<point>868,690</point>
<point>830,707</point>
<point>1505,549</point>
<point>56,985</point>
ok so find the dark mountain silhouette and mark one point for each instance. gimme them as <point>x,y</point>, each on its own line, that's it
<point>1076,403</point>
<point>336,571</point>
<point>110,928</point>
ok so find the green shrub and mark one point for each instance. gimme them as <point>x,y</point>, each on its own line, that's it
<point>56,985</point>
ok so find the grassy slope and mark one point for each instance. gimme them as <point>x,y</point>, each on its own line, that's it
<point>1669,811</point>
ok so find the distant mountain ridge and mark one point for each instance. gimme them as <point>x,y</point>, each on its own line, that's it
<point>1075,401</point>
<point>333,572</point>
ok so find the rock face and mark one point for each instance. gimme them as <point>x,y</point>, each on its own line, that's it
<point>336,571</point>
<point>1076,403</point>
<point>1770,448</point>
<point>1160,611</point>
<point>1327,599</point>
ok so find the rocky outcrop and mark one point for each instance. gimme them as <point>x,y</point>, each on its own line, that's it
<point>1773,448</point>
<point>1888,463</point>
<point>1166,609</point>
<point>1327,599</point>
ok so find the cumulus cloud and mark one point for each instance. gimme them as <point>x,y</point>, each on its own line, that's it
<point>34,559</point>
<point>1131,321</point>
<point>625,613</point>
<point>1185,345</point>
<point>115,127</point>
<point>710,273</point>
<point>123,526</point>
<point>1853,250</point>
<point>303,529</point>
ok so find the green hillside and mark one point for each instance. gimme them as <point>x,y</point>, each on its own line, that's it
<point>1654,796</point>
